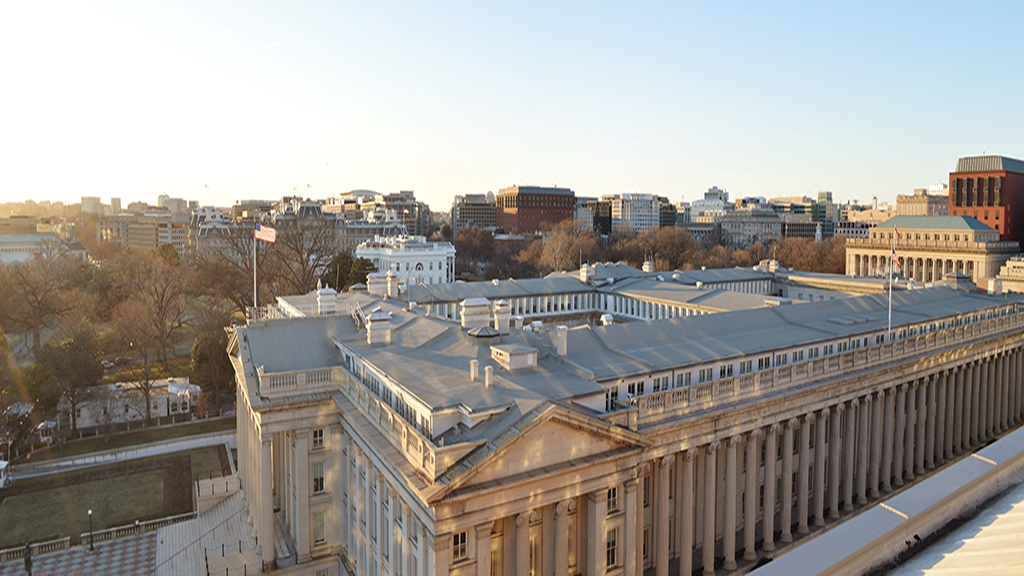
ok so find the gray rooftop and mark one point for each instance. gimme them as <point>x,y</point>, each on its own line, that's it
<point>989,164</point>
<point>934,223</point>
<point>459,291</point>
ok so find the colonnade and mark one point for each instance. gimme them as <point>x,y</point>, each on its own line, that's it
<point>736,496</point>
<point>919,269</point>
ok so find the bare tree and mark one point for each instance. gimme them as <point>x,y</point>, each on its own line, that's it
<point>211,367</point>
<point>304,249</point>
<point>31,293</point>
<point>158,285</point>
<point>224,268</point>
<point>75,363</point>
<point>138,334</point>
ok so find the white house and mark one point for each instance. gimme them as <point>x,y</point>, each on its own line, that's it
<point>411,258</point>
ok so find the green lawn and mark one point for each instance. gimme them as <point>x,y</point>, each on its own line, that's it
<point>126,439</point>
<point>56,505</point>
<point>49,514</point>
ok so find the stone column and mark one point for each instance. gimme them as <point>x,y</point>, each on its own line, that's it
<point>336,531</point>
<point>911,433</point>
<point>750,501</point>
<point>981,400</point>
<point>887,441</point>
<point>802,487</point>
<point>597,511</point>
<point>631,553</point>
<point>266,490</point>
<point>302,490</point>
<point>710,482</point>
<point>1011,368</point>
<point>943,425</point>
<point>850,449</point>
<point>835,460</point>
<point>1018,379</point>
<point>987,398</point>
<point>562,510</point>
<point>523,542</point>
<point>661,516</point>
<point>405,558</point>
<point>901,433</point>
<point>874,467</point>
<point>931,427</point>
<point>819,467</point>
<point>863,449</point>
<point>958,408</point>
<point>921,442</point>
<point>442,554</point>
<point>357,530</point>
<point>786,498</point>
<point>641,470</point>
<point>768,508</point>
<point>1004,394</point>
<point>686,523</point>
<point>729,534</point>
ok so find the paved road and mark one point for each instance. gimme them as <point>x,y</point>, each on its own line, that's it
<point>119,455</point>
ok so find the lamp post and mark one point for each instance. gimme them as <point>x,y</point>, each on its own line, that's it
<point>91,547</point>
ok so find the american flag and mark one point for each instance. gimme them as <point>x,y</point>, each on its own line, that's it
<point>894,260</point>
<point>266,233</point>
<point>898,235</point>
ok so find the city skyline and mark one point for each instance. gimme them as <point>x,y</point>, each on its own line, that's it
<point>132,101</point>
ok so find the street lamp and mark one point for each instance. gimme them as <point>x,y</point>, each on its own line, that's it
<point>91,547</point>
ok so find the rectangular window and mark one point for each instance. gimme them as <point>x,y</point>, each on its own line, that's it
<point>318,438</point>
<point>611,397</point>
<point>319,528</point>
<point>646,533</point>
<point>611,548</point>
<point>725,371</point>
<point>781,359</point>
<point>318,478</point>
<point>764,363</point>
<point>613,499</point>
<point>459,546</point>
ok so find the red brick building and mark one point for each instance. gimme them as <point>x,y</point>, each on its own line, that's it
<point>990,189</point>
<point>522,209</point>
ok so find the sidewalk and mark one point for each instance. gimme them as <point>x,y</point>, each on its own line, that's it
<point>118,455</point>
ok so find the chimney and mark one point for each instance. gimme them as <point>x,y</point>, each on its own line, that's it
<point>326,300</point>
<point>488,373</point>
<point>377,284</point>
<point>474,367</point>
<point>475,312</point>
<point>585,273</point>
<point>378,327</point>
<point>563,337</point>
<point>517,322</point>
<point>502,315</point>
<point>392,286</point>
<point>648,266</point>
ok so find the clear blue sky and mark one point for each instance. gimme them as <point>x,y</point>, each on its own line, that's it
<point>131,99</point>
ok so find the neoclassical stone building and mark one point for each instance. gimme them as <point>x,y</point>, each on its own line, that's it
<point>382,441</point>
<point>929,247</point>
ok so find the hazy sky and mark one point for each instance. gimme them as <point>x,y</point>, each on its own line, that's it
<point>131,99</point>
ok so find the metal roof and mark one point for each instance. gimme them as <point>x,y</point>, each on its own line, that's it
<point>989,164</point>
<point>935,223</point>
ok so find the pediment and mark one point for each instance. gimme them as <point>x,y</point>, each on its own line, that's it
<point>555,438</point>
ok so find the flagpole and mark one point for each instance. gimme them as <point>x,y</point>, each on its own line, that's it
<point>892,256</point>
<point>254,242</point>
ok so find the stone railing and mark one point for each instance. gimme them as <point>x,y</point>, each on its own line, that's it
<point>417,448</point>
<point>280,384</point>
<point>680,401</point>
<point>944,245</point>
<point>286,310</point>
<point>37,548</point>
<point>133,529</point>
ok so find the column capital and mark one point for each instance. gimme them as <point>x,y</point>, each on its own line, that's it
<point>689,455</point>
<point>525,518</point>
<point>891,391</point>
<point>668,461</point>
<point>484,529</point>
<point>840,408</point>
<point>734,441</point>
<point>904,387</point>
<point>854,403</point>
<point>711,448</point>
<point>774,428</point>
<point>809,418</point>
<point>406,509</point>
<point>641,469</point>
<point>301,433</point>
<point>825,412</point>
<point>756,433</point>
<point>792,423</point>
